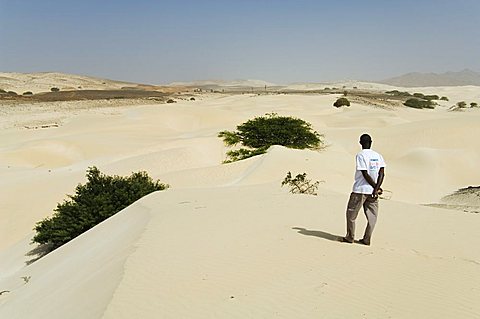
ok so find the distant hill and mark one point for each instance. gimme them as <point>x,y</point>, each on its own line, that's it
<point>465,77</point>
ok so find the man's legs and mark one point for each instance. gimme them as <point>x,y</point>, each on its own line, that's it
<point>353,207</point>
<point>370,207</point>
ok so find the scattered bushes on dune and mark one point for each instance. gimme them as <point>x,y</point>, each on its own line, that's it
<point>398,93</point>
<point>258,134</point>
<point>100,198</point>
<point>341,102</point>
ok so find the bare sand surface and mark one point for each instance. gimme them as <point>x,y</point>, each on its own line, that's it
<point>227,241</point>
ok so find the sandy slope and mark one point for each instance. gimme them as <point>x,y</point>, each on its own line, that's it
<point>227,241</point>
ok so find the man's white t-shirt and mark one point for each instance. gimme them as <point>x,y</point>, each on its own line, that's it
<point>370,161</point>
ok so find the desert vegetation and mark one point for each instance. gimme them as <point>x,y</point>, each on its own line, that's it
<point>54,89</point>
<point>419,103</point>
<point>258,134</point>
<point>99,198</point>
<point>341,102</point>
<point>398,93</point>
<point>463,105</point>
<point>300,184</point>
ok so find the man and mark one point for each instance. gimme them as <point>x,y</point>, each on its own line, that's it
<point>366,189</point>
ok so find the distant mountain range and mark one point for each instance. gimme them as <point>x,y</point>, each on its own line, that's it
<point>465,77</point>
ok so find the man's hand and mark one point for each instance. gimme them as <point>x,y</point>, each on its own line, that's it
<point>377,192</point>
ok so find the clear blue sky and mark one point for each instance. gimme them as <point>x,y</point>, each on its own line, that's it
<point>278,41</point>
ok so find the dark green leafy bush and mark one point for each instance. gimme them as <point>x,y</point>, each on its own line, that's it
<point>258,134</point>
<point>341,102</point>
<point>419,95</point>
<point>419,104</point>
<point>444,98</point>
<point>100,198</point>
<point>462,104</point>
<point>474,104</point>
<point>54,89</point>
<point>431,97</point>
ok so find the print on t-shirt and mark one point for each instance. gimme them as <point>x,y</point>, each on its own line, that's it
<point>374,164</point>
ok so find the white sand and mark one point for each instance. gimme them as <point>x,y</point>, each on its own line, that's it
<point>226,241</point>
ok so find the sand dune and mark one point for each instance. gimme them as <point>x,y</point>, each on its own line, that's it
<point>44,81</point>
<point>227,240</point>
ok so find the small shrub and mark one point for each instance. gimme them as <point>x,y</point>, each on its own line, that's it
<point>171,101</point>
<point>398,93</point>
<point>27,93</point>
<point>444,98</point>
<point>300,184</point>
<point>345,93</point>
<point>192,99</point>
<point>341,102</point>
<point>461,104</point>
<point>419,104</point>
<point>54,89</point>
<point>100,198</point>
<point>473,104</point>
<point>12,93</point>
<point>258,134</point>
<point>419,95</point>
<point>431,97</point>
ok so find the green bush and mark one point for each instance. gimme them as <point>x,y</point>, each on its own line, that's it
<point>474,104</point>
<point>258,134</point>
<point>431,97</point>
<point>419,95</point>
<point>171,101</point>
<point>419,104</point>
<point>398,93</point>
<point>341,102</point>
<point>100,198</point>
<point>27,93</point>
<point>54,89</point>
<point>461,104</point>
<point>444,98</point>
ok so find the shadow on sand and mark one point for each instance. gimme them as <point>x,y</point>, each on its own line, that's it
<point>37,253</point>
<point>317,233</point>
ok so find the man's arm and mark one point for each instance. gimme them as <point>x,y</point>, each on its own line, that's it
<point>376,186</point>
<point>369,179</point>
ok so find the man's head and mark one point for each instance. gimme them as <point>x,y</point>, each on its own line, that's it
<point>365,141</point>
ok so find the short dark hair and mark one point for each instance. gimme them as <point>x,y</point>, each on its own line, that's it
<point>365,139</point>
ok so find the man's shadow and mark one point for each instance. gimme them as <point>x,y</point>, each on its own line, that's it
<point>317,233</point>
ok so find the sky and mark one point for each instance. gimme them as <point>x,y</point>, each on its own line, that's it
<point>278,41</point>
